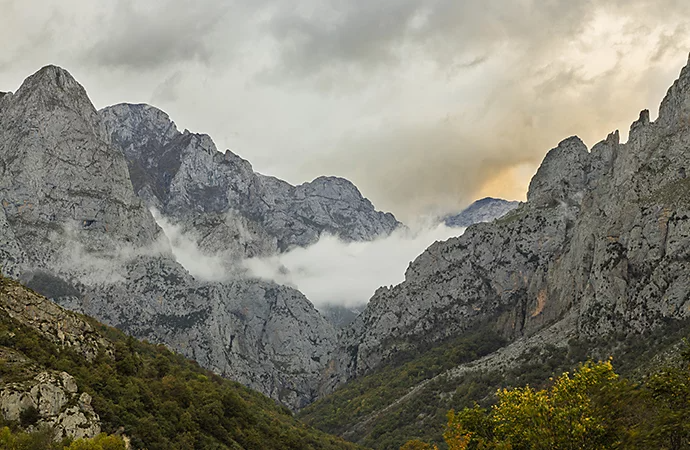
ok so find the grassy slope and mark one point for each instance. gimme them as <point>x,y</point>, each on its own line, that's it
<point>162,400</point>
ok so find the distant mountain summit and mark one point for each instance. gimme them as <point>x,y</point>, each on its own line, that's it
<point>484,210</point>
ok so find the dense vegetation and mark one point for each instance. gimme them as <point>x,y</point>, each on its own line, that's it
<point>162,400</point>
<point>365,410</point>
<point>43,440</point>
<point>357,400</point>
<point>594,408</point>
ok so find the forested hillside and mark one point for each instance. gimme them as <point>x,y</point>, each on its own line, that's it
<point>156,398</point>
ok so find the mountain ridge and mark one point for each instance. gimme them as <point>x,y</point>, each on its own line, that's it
<point>244,214</point>
<point>79,377</point>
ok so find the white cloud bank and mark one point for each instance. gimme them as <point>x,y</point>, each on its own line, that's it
<point>188,254</point>
<point>329,272</point>
<point>333,272</point>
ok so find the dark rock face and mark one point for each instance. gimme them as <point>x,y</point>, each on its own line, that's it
<point>72,227</point>
<point>220,200</point>
<point>602,244</point>
<point>485,210</point>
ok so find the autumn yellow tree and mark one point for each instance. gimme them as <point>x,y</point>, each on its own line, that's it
<point>571,414</point>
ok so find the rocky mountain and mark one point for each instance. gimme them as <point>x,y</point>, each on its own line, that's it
<point>73,228</point>
<point>483,210</point>
<point>218,198</point>
<point>602,245</point>
<point>594,264</point>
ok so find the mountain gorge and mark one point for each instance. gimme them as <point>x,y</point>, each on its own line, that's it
<point>597,256</point>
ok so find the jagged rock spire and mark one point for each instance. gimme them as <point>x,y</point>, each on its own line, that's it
<point>562,175</point>
<point>675,107</point>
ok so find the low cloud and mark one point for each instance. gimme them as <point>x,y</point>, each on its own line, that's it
<point>187,253</point>
<point>333,272</point>
<point>330,272</point>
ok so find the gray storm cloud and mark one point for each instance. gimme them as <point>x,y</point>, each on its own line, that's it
<point>424,105</point>
<point>157,35</point>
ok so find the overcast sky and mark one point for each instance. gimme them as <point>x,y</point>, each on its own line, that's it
<point>425,105</point>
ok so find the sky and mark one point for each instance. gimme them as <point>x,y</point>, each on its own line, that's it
<point>426,105</point>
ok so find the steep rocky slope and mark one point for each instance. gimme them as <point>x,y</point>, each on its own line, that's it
<point>601,245</point>
<point>72,228</point>
<point>71,373</point>
<point>483,210</point>
<point>222,202</point>
<point>25,384</point>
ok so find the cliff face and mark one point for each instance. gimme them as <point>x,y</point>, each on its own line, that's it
<point>602,244</point>
<point>72,228</point>
<point>222,202</point>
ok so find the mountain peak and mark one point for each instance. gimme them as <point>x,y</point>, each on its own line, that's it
<point>53,88</point>
<point>676,104</point>
<point>562,174</point>
<point>50,77</point>
<point>483,210</point>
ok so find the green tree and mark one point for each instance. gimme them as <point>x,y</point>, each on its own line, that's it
<point>100,442</point>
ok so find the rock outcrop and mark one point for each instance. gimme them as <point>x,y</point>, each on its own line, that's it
<point>57,403</point>
<point>219,200</point>
<point>35,394</point>
<point>484,210</point>
<point>74,229</point>
<point>603,240</point>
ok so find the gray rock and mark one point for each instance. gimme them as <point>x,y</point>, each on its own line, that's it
<point>54,395</point>
<point>340,316</point>
<point>484,210</point>
<point>53,323</point>
<point>562,176</point>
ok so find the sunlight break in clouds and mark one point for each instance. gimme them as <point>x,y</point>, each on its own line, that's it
<point>333,272</point>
